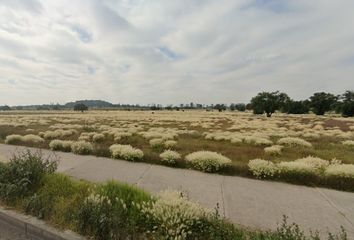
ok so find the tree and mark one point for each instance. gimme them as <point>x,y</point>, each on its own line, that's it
<point>232,107</point>
<point>80,107</point>
<point>322,102</point>
<point>240,107</point>
<point>169,107</point>
<point>269,102</point>
<point>298,107</point>
<point>5,108</point>
<point>347,106</point>
<point>284,101</point>
<point>220,107</point>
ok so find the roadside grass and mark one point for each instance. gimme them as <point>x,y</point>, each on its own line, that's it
<point>112,210</point>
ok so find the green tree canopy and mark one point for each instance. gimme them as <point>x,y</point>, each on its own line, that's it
<point>347,107</point>
<point>269,102</point>
<point>322,102</point>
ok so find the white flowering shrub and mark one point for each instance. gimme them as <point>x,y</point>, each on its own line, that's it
<point>174,216</point>
<point>257,140</point>
<point>164,133</point>
<point>235,140</point>
<point>317,163</point>
<point>81,147</point>
<point>348,143</point>
<point>296,168</point>
<point>86,136</point>
<point>98,137</point>
<point>170,157</point>
<point>293,141</point>
<point>120,135</point>
<point>126,152</point>
<point>273,150</point>
<point>207,161</point>
<point>170,144</point>
<point>30,138</point>
<point>59,133</point>
<point>156,142</point>
<point>262,168</point>
<point>60,145</point>
<point>340,170</point>
<point>12,139</point>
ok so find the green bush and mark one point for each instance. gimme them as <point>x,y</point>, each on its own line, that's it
<point>23,174</point>
<point>112,212</point>
<point>55,190</point>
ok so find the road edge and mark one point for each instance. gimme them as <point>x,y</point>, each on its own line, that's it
<point>35,228</point>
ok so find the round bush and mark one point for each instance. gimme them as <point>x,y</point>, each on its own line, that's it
<point>98,137</point>
<point>156,142</point>
<point>262,168</point>
<point>292,141</point>
<point>12,139</point>
<point>273,150</point>
<point>170,144</point>
<point>126,152</point>
<point>170,157</point>
<point>60,145</point>
<point>82,148</point>
<point>207,161</point>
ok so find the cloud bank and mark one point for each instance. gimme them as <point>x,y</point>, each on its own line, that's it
<point>157,51</point>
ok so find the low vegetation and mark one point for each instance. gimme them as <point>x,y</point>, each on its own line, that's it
<point>170,157</point>
<point>207,161</point>
<point>237,136</point>
<point>82,147</point>
<point>112,210</point>
<point>309,170</point>
<point>126,152</point>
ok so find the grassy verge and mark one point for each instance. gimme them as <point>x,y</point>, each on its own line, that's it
<point>118,211</point>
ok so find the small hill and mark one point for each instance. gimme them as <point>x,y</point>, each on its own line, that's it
<point>90,104</point>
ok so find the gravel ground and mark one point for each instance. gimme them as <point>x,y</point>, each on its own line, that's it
<point>9,233</point>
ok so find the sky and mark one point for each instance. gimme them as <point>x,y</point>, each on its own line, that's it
<point>171,52</point>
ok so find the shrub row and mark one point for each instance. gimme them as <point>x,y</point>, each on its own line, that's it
<point>337,176</point>
<point>29,138</point>
<point>79,147</point>
<point>309,171</point>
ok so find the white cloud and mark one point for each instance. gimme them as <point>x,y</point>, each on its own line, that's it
<point>139,51</point>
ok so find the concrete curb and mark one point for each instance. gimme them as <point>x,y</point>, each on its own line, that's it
<point>34,228</point>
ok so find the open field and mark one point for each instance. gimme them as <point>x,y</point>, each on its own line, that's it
<point>320,149</point>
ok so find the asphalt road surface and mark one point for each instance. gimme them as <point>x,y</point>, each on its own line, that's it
<point>10,233</point>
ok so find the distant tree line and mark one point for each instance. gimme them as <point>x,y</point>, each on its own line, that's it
<point>319,103</point>
<point>263,103</point>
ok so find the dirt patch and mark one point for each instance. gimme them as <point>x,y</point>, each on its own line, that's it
<point>330,123</point>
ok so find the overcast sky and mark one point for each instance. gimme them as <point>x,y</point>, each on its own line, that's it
<point>173,51</point>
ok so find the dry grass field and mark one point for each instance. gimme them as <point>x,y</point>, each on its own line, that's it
<point>230,142</point>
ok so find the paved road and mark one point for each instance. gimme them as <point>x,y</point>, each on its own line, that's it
<point>9,233</point>
<point>248,202</point>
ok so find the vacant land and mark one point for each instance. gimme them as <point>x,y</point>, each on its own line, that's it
<point>296,148</point>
